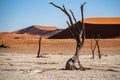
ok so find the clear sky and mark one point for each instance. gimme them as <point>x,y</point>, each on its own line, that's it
<point>18,14</point>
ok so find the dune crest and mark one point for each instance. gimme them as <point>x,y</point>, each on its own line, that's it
<point>103,20</point>
<point>46,27</point>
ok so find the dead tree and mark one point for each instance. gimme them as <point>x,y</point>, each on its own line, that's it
<point>93,48</point>
<point>74,62</point>
<point>38,54</point>
<point>96,45</point>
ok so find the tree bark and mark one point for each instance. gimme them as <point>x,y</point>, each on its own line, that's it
<point>74,62</point>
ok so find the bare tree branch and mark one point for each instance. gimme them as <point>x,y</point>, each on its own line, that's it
<point>70,19</point>
<point>75,20</point>
<point>83,25</point>
<point>73,16</point>
<point>64,10</point>
<point>71,31</point>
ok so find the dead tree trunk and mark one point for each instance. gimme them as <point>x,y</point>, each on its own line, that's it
<point>97,44</point>
<point>74,62</point>
<point>93,47</point>
<point>38,54</point>
<point>98,50</point>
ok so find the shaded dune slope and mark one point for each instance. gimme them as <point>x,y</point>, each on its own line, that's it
<point>105,27</point>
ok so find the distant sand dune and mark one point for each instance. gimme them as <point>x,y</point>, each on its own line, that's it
<point>34,31</point>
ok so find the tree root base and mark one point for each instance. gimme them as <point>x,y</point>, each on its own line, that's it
<point>41,56</point>
<point>73,64</point>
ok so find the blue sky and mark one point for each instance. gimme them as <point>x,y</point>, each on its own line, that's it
<point>18,14</point>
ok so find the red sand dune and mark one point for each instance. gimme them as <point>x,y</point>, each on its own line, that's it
<point>34,31</point>
<point>105,27</point>
<point>43,31</point>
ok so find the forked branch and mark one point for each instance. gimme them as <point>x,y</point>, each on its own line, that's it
<point>94,47</point>
<point>64,10</point>
<point>71,31</point>
<point>70,19</point>
<point>75,20</point>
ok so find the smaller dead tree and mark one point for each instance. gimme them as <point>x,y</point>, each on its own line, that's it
<point>94,47</point>
<point>74,62</point>
<point>38,54</point>
<point>97,43</point>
